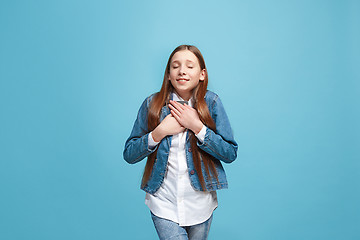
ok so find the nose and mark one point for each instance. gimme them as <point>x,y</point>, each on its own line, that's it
<point>182,71</point>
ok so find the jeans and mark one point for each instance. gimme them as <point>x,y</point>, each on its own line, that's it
<point>167,229</point>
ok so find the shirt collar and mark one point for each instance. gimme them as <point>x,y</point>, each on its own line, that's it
<point>176,97</point>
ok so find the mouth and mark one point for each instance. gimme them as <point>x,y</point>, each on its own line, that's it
<point>182,80</point>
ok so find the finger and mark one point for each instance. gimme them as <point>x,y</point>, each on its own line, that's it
<point>177,105</point>
<point>188,110</point>
<point>188,107</point>
<point>177,117</point>
<point>175,110</point>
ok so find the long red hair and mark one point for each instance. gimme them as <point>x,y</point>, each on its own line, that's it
<point>161,99</point>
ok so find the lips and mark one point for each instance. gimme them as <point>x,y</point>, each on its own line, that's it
<point>182,79</point>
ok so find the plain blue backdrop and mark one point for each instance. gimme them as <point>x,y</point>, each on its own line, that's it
<point>74,73</point>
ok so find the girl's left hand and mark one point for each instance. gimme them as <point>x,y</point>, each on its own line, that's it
<point>187,116</point>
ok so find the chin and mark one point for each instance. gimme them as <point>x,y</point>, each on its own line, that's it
<point>181,89</point>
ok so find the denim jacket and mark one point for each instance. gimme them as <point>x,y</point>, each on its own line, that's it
<point>220,144</point>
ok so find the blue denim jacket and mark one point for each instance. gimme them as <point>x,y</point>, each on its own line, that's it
<point>220,144</point>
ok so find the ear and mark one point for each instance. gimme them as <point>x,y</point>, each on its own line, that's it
<point>202,75</point>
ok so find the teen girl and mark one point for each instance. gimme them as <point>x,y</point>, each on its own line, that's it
<point>184,132</point>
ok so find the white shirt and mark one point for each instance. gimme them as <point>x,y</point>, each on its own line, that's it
<point>176,199</point>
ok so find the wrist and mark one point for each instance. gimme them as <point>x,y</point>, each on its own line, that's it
<point>197,127</point>
<point>157,134</point>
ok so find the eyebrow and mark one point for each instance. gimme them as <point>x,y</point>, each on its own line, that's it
<point>179,61</point>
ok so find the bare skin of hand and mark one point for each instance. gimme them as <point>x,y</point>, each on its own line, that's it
<point>168,126</point>
<point>186,116</point>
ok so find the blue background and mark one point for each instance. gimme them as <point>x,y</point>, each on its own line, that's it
<point>74,73</point>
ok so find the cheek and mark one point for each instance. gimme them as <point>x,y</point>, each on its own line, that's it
<point>172,74</point>
<point>195,75</point>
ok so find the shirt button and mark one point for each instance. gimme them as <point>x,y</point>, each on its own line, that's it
<point>192,172</point>
<point>190,149</point>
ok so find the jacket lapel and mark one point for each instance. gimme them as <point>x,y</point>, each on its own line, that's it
<point>164,112</point>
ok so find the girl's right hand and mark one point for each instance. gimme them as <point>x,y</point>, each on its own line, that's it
<point>168,126</point>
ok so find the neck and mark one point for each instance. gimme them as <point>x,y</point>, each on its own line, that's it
<point>184,95</point>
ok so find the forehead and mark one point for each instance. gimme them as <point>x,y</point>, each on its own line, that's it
<point>184,56</point>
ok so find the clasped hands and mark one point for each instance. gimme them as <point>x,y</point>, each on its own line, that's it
<point>182,117</point>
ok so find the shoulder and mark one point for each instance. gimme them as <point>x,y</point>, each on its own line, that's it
<point>211,98</point>
<point>211,95</point>
<point>146,103</point>
<point>148,99</point>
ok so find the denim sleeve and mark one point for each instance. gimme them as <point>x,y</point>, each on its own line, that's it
<point>220,143</point>
<point>136,146</point>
